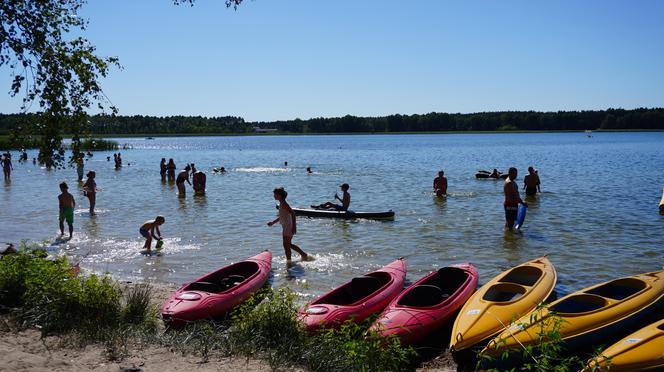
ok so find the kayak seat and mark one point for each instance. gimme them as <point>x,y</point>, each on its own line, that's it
<point>231,281</point>
<point>619,289</point>
<point>423,295</point>
<point>204,286</point>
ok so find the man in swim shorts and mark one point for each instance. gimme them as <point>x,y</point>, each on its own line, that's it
<point>67,204</point>
<point>147,230</point>
<point>531,182</point>
<point>345,201</point>
<point>440,184</point>
<point>512,198</point>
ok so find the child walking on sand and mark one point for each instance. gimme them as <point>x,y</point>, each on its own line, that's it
<point>147,230</point>
<point>67,204</point>
<point>286,218</point>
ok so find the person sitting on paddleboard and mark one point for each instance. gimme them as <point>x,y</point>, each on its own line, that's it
<point>531,182</point>
<point>345,201</point>
<point>512,198</point>
<point>495,173</point>
<point>147,230</point>
<point>440,184</point>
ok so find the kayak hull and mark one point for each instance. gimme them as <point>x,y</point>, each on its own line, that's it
<point>588,316</point>
<point>643,349</point>
<point>427,305</point>
<point>387,215</point>
<point>214,294</point>
<point>355,300</point>
<point>508,296</point>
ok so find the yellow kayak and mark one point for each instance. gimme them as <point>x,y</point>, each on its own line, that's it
<point>584,317</point>
<point>643,349</point>
<point>502,300</point>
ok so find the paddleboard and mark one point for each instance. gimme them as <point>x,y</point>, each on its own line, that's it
<point>661,204</point>
<point>520,217</point>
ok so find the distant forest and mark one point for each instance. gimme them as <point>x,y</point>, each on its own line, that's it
<point>611,119</point>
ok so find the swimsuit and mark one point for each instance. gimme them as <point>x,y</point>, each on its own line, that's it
<point>286,222</point>
<point>68,215</point>
<point>145,233</point>
<point>531,190</point>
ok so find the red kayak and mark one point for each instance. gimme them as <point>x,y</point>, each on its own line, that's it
<point>428,304</point>
<point>358,299</point>
<point>214,294</point>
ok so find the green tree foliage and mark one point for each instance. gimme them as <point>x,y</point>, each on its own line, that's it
<point>51,66</point>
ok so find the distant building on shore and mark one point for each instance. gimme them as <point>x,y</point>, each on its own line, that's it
<point>264,130</point>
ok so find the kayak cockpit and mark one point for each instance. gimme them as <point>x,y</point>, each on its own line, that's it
<point>225,279</point>
<point>436,289</point>
<point>619,289</point>
<point>523,275</point>
<point>358,289</point>
<point>504,292</point>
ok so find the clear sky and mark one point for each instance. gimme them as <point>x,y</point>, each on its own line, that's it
<point>286,59</point>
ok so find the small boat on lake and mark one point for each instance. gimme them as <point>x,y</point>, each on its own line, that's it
<point>588,316</point>
<point>214,294</point>
<point>330,213</point>
<point>482,174</point>
<point>641,350</point>
<point>505,298</point>
<point>428,305</point>
<point>356,300</point>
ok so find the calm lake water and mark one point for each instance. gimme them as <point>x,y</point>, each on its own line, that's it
<point>596,217</point>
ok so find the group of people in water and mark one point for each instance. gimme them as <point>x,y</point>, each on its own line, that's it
<point>286,216</point>
<point>167,172</point>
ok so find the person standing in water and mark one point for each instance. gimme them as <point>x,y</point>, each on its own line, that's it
<point>67,204</point>
<point>182,177</point>
<point>162,169</point>
<point>531,182</point>
<point>199,179</point>
<point>512,198</point>
<point>80,168</point>
<point>170,168</point>
<point>147,230</point>
<point>7,166</point>
<point>90,190</point>
<point>288,223</point>
<point>440,184</point>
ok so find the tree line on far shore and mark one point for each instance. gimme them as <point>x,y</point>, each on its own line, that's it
<point>26,125</point>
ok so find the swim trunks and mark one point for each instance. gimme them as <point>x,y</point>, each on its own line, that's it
<point>531,190</point>
<point>510,213</point>
<point>145,233</point>
<point>67,214</point>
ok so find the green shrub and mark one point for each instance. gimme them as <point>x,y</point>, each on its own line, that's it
<point>53,298</point>
<point>138,308</point>
<point>98,144</point>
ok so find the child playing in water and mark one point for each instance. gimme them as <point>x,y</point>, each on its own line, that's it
<point>287,220</point>
<point>67,204</point>
<point>147,230</point>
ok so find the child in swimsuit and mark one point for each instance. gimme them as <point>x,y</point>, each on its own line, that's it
<point>67,204</point>
<point>286,218</point>
<point>147,230</point>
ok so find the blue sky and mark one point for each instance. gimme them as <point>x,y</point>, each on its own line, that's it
<point>286,59</point>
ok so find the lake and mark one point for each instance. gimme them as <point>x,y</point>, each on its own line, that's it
<point>596,217</point>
